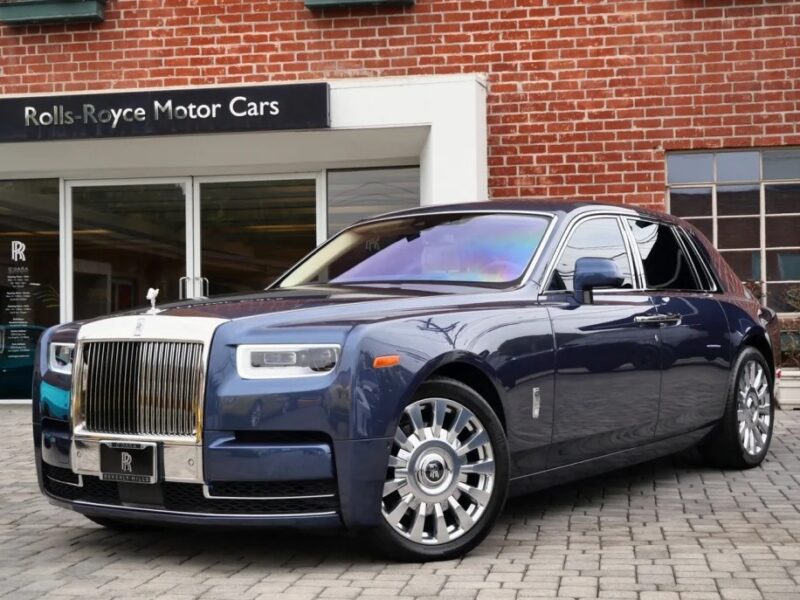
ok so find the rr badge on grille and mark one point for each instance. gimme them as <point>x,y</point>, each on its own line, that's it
<point>139,329</point>
<point>127,460</point>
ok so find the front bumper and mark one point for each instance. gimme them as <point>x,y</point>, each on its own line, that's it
<point>286,482</point>
<point>166,517</point>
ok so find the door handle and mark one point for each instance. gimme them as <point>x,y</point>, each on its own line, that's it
<point>668,319</point>
<point>206,286</point>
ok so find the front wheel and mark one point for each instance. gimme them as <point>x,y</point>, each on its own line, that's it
<point>742,438</point>
<point>447,476</point>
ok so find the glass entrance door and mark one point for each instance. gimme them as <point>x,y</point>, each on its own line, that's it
<point>186,237</point>
<point>252,230</point>
<point>127,237</point>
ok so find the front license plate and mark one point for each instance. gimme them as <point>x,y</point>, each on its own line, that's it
<point>133,462</point>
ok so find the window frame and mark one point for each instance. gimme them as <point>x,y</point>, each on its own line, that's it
<point>691,244</point>
<point>678,239</point>
<point>636,276</point>
<point>762,182</point>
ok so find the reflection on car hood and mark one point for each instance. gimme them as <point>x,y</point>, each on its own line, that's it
<point>233,307</point>
<point>326,305</point>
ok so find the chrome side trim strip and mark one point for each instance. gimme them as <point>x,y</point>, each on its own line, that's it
<point>79,484</point>
<point>207,493</point>
<point>329,513</point>
<point>80,433</point>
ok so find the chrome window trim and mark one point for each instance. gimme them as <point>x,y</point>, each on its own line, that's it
<point>674,229</point>
<point>695,257</point>
<point>565,239</point>
<point>712,275</point>
<point>550,216</point>
<point>692,266</point>
<point>207,494</point>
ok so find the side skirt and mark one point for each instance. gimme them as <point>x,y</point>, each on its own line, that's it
<point>610,462</point>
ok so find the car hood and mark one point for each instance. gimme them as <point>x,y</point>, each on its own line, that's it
<point>280,301</point>
<point>320,305</point>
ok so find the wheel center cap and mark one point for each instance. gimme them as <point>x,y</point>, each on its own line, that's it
<point>433,473</point>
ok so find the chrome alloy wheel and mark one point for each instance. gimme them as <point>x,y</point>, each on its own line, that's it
<point>753,410</point>
<point>441,472</point>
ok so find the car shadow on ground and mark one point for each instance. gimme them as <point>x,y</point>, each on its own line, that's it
<point>303,549</point>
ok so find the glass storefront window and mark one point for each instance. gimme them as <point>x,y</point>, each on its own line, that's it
<point>29,277</point>
<point>355,194</point>
<point>253,231</point>
<point>126,239</point>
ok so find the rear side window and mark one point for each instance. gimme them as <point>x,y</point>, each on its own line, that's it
<point>702,268</point>
<point>666,266</point>
<point>594,238</point>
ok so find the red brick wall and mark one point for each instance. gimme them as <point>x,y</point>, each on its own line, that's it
<point>585,95</point>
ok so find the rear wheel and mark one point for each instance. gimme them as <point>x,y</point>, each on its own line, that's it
<point>447,477</point>
<point>742,438</point>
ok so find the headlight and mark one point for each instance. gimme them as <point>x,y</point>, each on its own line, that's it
<point>279,361</point>
<point>60,357</point>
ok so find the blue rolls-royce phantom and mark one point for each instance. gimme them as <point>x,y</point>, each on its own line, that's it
<point>409,374</point>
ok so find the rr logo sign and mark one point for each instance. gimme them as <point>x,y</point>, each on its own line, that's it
<point>127,460</point>
<point>17,251</point>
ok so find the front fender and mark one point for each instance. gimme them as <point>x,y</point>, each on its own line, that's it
<point>512,348</point>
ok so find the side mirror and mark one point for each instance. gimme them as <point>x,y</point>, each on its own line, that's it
<point>592,273</point>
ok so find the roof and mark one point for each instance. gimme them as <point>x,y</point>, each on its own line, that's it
<point>565,207</point>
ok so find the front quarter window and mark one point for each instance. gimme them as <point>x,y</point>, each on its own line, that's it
<point>483,249</point>
<point>596,238</point>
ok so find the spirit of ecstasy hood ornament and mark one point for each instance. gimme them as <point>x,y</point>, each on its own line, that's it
<point>152,294</point>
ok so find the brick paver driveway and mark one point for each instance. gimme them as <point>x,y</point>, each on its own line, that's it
<point>665,530</point>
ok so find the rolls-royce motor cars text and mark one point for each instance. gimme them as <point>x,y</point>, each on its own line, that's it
<point>408,375</point>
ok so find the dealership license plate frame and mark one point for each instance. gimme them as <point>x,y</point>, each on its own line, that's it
<point>110,449</point>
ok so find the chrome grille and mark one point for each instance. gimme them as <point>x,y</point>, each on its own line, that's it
<point>140,387</point>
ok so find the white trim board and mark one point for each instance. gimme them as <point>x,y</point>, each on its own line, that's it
<point>438,122</point>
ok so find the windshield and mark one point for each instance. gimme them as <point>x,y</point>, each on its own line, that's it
<point>485,249</point>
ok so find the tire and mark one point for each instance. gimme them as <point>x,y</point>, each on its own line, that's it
<point>119,525</point>
<point>743,444</point>
<point>438,504</point>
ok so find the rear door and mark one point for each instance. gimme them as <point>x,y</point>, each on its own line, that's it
<point>695,350</point>
<point>607,364</point>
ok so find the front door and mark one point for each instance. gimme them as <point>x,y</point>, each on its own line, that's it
<point>607,364</point>
<point>250,231</point>
<point>187,237</point>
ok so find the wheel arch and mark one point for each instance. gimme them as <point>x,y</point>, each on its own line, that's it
<point>757,338</point>
<point>468,370</point>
